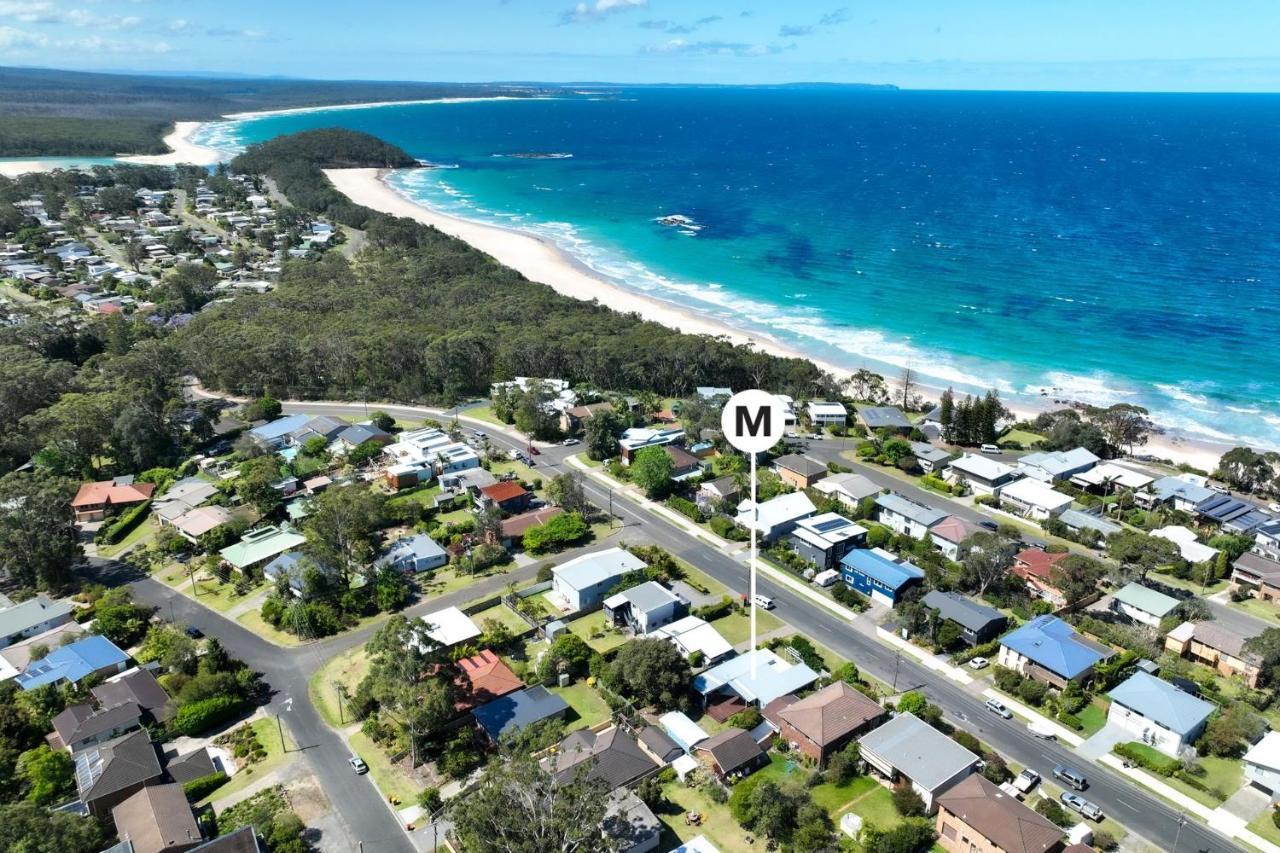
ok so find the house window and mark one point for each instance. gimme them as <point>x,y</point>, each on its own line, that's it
<point>948,831</point>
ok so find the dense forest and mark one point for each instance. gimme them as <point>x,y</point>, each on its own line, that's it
<point>423,316</point>
<point>45,112</point>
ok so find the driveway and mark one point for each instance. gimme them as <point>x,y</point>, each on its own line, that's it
<point>1101,743</point>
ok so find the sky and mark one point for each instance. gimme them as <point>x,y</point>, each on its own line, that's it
<point>1128,45</point>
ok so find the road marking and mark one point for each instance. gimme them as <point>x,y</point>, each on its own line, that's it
<point>1126,805</point>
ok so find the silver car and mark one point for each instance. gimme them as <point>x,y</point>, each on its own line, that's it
<point>1079,804</point>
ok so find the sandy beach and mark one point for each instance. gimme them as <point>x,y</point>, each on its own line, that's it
<point>542,261</point>
<point>182,149</point>
<point>332,108</point>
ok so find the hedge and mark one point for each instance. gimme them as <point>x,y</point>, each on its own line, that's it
<point>685,507</point>
<point>1146,757</point>
<point>201,716</point>
<point>198,789</point>
<point>712,612</point>
<point>1070,720</point>
<point>125,524</point>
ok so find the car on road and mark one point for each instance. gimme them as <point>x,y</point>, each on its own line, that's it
<point>569,442</point>
<point>1273,506</point>
<point>989,525</point>
<point>979,663</point>
<point>478,434</point>
<point>358,765</point>
<point>534,451</point>
<point>193,632</point>
<point>995,706</point>
<point>989,448</point>
<point>1040,730</point>
<point>1070,776</point>
<point>817,436</point>
<point>762,601</point>
<point>1079,804</point>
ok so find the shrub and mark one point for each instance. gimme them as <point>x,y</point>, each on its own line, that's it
<point>685,507</point>
<point>712,612</point>
<point>1103,840</point>
<point>198,717</point>
<point>544,573</point>
<point>967,740</point>
<point>1054,812</point>
<point>848,596</point>
<point>1070,720</point>
<point>907,801</point>
<point>198,789</point>
<point>562,530</point>
<point>747,718</point>
<point>1148,758</point>
<point>124,524</point>
<point>1032,692</point>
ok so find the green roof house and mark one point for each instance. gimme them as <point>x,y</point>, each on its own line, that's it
<point>258,546</point>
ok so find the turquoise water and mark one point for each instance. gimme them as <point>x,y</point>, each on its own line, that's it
<point>1101,248</point>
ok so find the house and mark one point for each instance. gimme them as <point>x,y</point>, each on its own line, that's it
<point>1036,568</point>
<point>514,712</point>
<point>31,617</point>
<point>645,608</point>
<point>508,496</point>
<point>450,626</point>
<point>906,516</point>
<point>684,465</point>
<point>260,545</point>
<point>825,414</point>
<point>182,497</point>
<point>275,435</point>
<point>79,726</point>
<point>512,529</point>
<point>326,427</point>
<point>583,581</point>
<point>721,490</point>
<point>776,516</point>
<point>850,489</point>
<point>799,471</point>
<point>612,756</point>
<point>193,524</point>
<point>357,434</point>
<point>1262,765</point>
<point>484,678</point>
<point>977,816</point>
<point>1157,713</point>
<point>1189,545</point>
<point>629,824</point>
<point>693,634</point>
<point>1052,466</point>
<point>683,731</point>
<point>773,677</point>
<point>140,687</point>
<point>469,480</point>
<point>978,622</point>
<point>907,748</point>
<point>731,754</point>
<point>417,553</point>
<point>982,475</point>
<point>1178,492</point>
<point>1034,499</point>
<point>420,454</point>
<point>1078,521</point>
<point>635,439</point>
<point>291,565</point>
<point>875,418</point>
<point>157,819</point>
<point>1049,650</point>
<point>656,743</point>
<point>1215,646</point>
<point>1109,477</point>
<point>1257,575</point>
<point>825,721</point>
<point>194,765</point>
<point>573,418</point>
<point>93,655</point>
<point>1143,604</point>
<point>824,539</point>
<point>107,774</point>
<point>951,536</point>
<point>879,576</point>
<point>1233,514</point>
<point>93,500</point>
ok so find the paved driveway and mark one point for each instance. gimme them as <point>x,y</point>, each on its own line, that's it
<point>1101,743</point>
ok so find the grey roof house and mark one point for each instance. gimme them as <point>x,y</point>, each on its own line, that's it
<point>978,622</point>
<point>513,712</point>
<point>31,617</point>
<point>582,582</point>
<point>1157,713</point>
<point>107,774</point>
<point>906,747</point>
<point>907,516</point>
<point>418,553</point>
<point>883,417</point>
<point>645,608</point>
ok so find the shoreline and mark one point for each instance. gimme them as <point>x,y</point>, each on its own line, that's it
<point>287,111</point>
<point>540,260</point>
<point>181,149</point>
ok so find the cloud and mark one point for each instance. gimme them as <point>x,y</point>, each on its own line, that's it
<point>830,19</point>
<point>599,10</point>
<point>234,33</point>
<point>678,46</point>
<point>178,25</point>
<point>12,38</point>
<point>20,40</point>
<point>44,12</point>
<point>674,28</point>
<point>37,12</point>
<point>710,19</point>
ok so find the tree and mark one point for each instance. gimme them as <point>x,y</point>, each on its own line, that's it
<point>1138,553</point>
<point>340,528</point>
<point>410,681</point>
<point>170,647</point>
<point>1076,577</point>
<point>569,653</point>
<point>650,672</point>
<point>77,427</point>
<point>913,835</point>
<point>1124,424</point>
<point>518,807</point>
<point>29,828</point>
<point>907,802</point>
<point>651,470</point>
<point>39,543</point>
<point>565,491</point>
<point>1245,469</point>
<point>946,415</point>
<point>186,288</point>
<point>563,529</point>
<point>256,484</point>
<point>908,383</point>
<point>912,702</point>
<point>263,408</point>
<point>118,619</point>
<point>896,449</point>
<point>382,420</point>
<point>1267,647</point>
<point>602,433</point>
<point>987,560</point>
<point>1230,733</point>
<point>49,776</point>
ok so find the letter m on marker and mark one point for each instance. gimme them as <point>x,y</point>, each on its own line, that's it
<point>745,425</point>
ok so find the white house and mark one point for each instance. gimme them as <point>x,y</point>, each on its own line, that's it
<point>1262,765</point>
<point>451,626</point>
<point>1157,713</point>
<point>31,617</point>
<point>636,439</point>
<point>823,414</point>
<point>645,608</point>
<point>1035,499</point>
<point>693,634</point>
<point>583,581</point>
<point>1191,548</point>
<point>984,476</point>
<point>1143,604</point>
<point>849,489</point>
<point>906,516</point>
<point>908,748</point>
<point>776,516</point>
<point>1055,465</point>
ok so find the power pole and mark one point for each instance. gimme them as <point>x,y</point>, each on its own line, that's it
<point>897,659</point>
<point>337,688</point>
<point>280,729</point>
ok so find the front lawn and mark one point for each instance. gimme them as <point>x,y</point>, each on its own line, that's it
<point>1224,775</point>
<point>587,704</point>
<point>347,669</point>
<point>1259,608</point>
<point>1093,716</point>
<point>483,413</point>
<point>1192,586</point>
<point>424,495</point>
<point>253,621</point>
<point>1265,826</point>
<point>1021,436</point>
<point>390,779</point>
<point>139,535</point>
<point>210,591</point>
<point>267,731</point>
<point>598,633</point>
<point>736,627</point>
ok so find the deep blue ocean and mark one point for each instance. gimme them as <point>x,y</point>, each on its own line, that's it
<point>1096,247</point>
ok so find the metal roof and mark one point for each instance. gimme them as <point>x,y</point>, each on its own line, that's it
<point>918,751</point>
<point>1161,702</point>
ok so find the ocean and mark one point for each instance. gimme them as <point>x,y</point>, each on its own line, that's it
<point>1095,247</point>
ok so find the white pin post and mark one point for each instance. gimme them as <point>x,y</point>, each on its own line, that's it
<point>753,421</point>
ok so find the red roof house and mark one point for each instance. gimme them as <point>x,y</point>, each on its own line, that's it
<point>509,496</point>
<point>93,499</point>
<point>1036,568</point>
<point>484,678</point>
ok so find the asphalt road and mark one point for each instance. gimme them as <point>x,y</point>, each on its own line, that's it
<point>359,803</point>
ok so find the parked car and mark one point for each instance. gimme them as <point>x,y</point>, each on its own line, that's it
<point>193,632</point>
<point>1026,780</point>
<point>534,451</point>
<point>1041,731</point>
<point>989,448</point>
<point>1079,804</point>
<point>979,663</point>
<point>1273,506</point>
<point>569,442</point>
<point>989,525</point>
<point>358,765</point>
<point>995,706</point>
<point>1071,777</point>
<point>478,434</point>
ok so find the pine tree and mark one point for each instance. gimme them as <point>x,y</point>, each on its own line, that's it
<point>946,415</point>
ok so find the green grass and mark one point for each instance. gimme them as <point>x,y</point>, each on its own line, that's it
<point>522,471</point>
<point>444,581</point>
<point>268,733</point>
<point>1093,716</point>
<point>1222,774</point>
<point>304,466</point>
<point>141,534</point>
<point>503,614</point>
<point>586,703</point>
<point>1022,436</point>
<point>1259,608</point>
<point>597,632</point>
<point>348,669</point>
<point>212,593</point>
<point>423,495</point>
<point>253,621</point>
<point>588,461</point>
<point>876,807</point>
<point>1193,586</point>
<point>835,798</point>
<point>717,825</point>
<point>1264,826</point>
<point>484,413</point>
<point>390,779</point>
<point>736,627</point>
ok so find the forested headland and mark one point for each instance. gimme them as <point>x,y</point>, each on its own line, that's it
<point>421,316</point>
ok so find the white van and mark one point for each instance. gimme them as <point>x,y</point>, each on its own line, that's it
<point>762,601</point>
<point>989,448</point>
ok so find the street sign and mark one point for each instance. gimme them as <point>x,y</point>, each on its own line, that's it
<point>753,421</point>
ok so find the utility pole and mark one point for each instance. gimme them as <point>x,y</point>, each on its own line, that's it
<point>337,688</point>
<point>897,659</point>
<point>611,508</point>
<point>1182,821</point>
<point>280,729</point>
<point>194,590</point>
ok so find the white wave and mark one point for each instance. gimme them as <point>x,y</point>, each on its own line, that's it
<point>1181,394</point>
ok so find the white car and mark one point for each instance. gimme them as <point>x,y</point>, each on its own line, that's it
<point>358,765</point>
<point>569,442</point>
<point>1274,507</point>
<point>764,602</point>
<point>989,448</point>
<point>979,663</point>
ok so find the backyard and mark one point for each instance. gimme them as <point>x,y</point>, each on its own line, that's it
<point>587,704</point>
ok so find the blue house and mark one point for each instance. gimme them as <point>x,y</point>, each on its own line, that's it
<point>1049,650</point>
<point>274,435</point>
<point>72,662</point>
<point>877,576</point>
